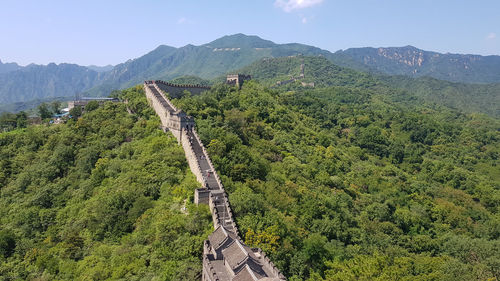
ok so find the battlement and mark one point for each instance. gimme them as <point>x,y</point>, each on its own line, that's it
<point>187,86</point>
<point>176,90</point>
<point>226,257</point>
<point>82,102</point>
<point>230,259</point>
<point>237,79</point>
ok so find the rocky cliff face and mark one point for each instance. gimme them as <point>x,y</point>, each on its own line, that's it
<point>7,67</point>
<point>46,81</point>
<point>415,62</point>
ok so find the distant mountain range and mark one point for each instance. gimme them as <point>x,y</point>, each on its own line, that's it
<point>227,54</point>
<point>101,68</point>
<point>414,62</point>
<point>206,61</point>
<point>46,81</point>
<point>8,67</point>
<point>484,98</point>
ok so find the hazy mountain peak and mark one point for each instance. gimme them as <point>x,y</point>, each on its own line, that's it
<point>7,67</point>
<point>241,40</point>
<point>411,61</point>
<point>162,48</point>
<point>100,68</point>
<point>228,54</point>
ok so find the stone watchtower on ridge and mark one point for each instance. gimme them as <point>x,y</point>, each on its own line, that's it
<point>237,79</point>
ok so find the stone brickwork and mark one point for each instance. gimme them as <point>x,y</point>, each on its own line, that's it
<point>176,90</point>
<point>82,102</point>
<point>229,258</point>
<point>293,79</point>
<point>237,79</point>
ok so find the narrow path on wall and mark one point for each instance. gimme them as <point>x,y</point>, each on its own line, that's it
<point>158,96</point>
<point>211,182</point>
<point>225,256</point>
<point>207,172</point>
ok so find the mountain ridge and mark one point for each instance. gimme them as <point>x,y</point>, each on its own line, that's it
<point>9,66</point>
<point>321,72</point>
<point>46,81</point>
<point>415,62</point>
<point>230,53</point>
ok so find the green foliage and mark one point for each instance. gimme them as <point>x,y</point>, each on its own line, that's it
<point>317,69</point>
<point>469,98</point>
<point>99,198</point>
<point>413,62</point>
<point>190,80</point>
<point>356,182</point>
<point>56,107</point>
<point>76,111</point>
<point>10,121</point>
<point>44,111</point>
<point>483,98</point>
<point>7,243</point>
<point>44,82</point>
<point>91,105</point>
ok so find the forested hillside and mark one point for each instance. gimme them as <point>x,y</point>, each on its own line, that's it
<point>413,62</point>
<point>317,69</point>
<point>230,53</point>
<point>484,98</point>
<point>351,180</point>
<point>206,61</point>
<point>105,197</point>
<point>345,183</point>
<point>46,81</point>
<point>470,98</point>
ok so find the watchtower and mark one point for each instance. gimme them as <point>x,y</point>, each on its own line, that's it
<point>237,79</point>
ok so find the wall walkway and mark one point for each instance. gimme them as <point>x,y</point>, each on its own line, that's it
<point>225,256</point>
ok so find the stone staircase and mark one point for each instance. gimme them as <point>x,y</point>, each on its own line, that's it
<point>225,256</point>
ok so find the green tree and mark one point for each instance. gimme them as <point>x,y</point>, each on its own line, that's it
<point>91,105</point>
<point>44,111</point>
<point>7,243</point>
<point>76,111</point>
<point>21,119</point>
<point>56,107</point>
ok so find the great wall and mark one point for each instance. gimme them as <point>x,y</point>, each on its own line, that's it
<point>225,256</point>
<point>300,77</point>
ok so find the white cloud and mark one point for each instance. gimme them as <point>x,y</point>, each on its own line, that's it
<point>184,20</point>
<point>304,20</point>
<point>290,5</point>
<point>491,36</point>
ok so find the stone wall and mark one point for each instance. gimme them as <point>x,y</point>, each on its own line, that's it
<point>269,263</point>
<point>212,191</point>
<point>237,79</point>
<point>175,90</point>
<point>164,96</point>
<point>191,157</point>
<point>157,106</point>
<point>166,110</point>
<point>208,272</point>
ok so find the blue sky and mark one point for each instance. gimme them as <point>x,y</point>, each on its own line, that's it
<point>104,32</point>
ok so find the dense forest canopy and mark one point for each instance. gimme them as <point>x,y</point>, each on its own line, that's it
<point>105,197</point>
<point>346,183</point>
<point>469,98</point>
<point>351,180</point>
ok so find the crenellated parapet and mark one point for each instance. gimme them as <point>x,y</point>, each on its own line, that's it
<point>186,86</point>
<point>176,90</point>
<point>225,256</point>
<point>237,79</point>
<point>171,118</point>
